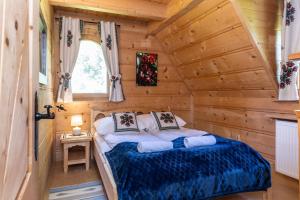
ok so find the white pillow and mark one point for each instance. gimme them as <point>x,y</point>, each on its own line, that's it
<point>180,121</point>
<point>104,126</point>
<point>147,123</point>
<point>125,121</point>
<point>165,120</point>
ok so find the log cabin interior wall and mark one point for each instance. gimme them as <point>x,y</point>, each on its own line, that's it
<point>46,127</point>
<point>217,68</point>
<point>170,92</point>
<point>225,51</point>
<point>217,64</point>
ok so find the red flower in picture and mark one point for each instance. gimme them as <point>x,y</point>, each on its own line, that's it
<point>145,59</point>
<point>152,58</point>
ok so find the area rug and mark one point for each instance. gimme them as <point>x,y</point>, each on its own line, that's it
<point>84,191</point>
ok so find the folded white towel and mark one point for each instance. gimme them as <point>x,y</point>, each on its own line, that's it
<point>199,141</point>
<point>153,146</point>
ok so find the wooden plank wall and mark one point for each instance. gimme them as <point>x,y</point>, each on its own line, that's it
<point>264,18</point>
<point>14,98</point>
<point>225,68</point>
<point>170,92</point>
<point>46,127</point>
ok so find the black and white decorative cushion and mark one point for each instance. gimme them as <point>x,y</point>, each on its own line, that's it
<point>165,120</point>
<point>125,122</point>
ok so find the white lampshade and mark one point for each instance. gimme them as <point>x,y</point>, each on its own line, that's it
<point>76,120</point>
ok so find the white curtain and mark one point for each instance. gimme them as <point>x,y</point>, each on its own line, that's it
<point>110,51</point>
<point>288,89</point>
<point>69,46</point>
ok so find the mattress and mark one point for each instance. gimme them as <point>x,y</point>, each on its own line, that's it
<point>102,144</point>
<point>102,147</point>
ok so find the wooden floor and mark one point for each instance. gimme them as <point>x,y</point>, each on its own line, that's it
<point>284,188</point>
<point>76,175</point>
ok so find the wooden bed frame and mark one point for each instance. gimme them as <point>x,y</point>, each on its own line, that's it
<point>105,171</point>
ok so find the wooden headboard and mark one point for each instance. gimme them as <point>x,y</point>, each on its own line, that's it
<point>95,115</point>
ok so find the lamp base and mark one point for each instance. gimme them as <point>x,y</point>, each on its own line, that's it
<point>76,131</point>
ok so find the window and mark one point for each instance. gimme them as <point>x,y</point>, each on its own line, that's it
<point>43,51</point>
<point>89,77</point>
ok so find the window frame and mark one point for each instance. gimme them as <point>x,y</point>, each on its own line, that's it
<point>91,96</point>
<point>43,45</point>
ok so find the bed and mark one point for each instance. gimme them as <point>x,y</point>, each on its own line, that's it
<point>106,156</point>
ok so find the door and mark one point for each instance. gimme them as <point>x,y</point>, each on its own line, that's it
<point>16,88</point>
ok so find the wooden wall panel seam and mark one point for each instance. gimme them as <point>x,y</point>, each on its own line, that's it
<point>218,55</point>
<point>210,36</point>
<point>218,90</point>
<point>227,73</point>
<point>233,89</point>
<point>238,127</point>
<point>267,111</point>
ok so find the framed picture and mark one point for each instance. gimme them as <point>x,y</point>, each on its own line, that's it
<point>146,69</point>
<point>43,51</point>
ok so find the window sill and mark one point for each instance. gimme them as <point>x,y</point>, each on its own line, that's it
<point>286,101</point>
<point>89,96</point>
<point>283,116</point>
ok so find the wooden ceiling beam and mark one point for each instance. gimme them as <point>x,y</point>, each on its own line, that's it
<point>175,10</point>
<point>132,8</point>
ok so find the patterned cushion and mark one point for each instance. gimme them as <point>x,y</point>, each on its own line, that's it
<point>125,122</point>
<point>165,120</point>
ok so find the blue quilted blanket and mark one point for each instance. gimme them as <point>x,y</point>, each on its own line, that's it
<point>188,173</point>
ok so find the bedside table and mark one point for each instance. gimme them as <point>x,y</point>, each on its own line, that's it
<point>69,140</point>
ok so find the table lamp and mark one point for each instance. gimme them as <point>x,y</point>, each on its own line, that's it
<point>76,122</point>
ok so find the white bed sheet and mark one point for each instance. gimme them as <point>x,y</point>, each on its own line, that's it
<point>107,142</point>
<point>102,144</point>
<point>101,148</point>
<point>113,139</point>
<point>169,135</point>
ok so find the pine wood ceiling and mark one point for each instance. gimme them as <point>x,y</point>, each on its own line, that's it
<point>151,10</point>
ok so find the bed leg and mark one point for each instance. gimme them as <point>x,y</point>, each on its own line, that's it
<point>267,195</point>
